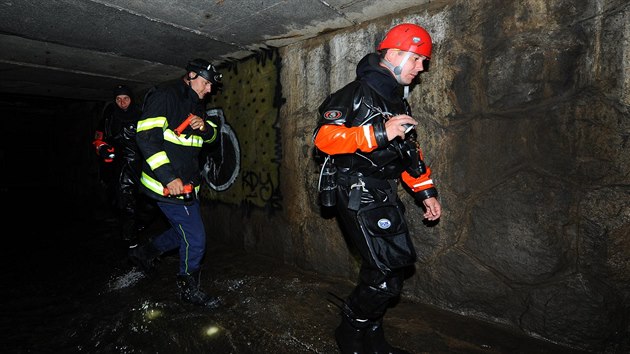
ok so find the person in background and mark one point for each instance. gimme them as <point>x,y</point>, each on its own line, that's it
<point>171,132</point>
<point>368,135</point>
<point>115,144</point>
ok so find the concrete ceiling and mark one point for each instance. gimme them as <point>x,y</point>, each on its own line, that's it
<point>80,49</point>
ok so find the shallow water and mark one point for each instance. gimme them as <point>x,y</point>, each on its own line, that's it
<point>71,289</point>
<point>80,294</point>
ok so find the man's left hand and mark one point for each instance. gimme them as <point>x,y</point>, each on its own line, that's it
<point>197,123</point>
<point>433,209</point>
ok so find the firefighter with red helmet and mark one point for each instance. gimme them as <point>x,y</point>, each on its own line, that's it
<point>367,134</point>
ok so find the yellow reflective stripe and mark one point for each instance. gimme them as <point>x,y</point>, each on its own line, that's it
<point>157,187</point>
<point>192,140</point>
<point>150,123</point>
<point>158,159</point>
<point>152,184</point>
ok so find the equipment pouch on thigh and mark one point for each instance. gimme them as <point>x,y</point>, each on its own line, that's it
<point>387,235</point>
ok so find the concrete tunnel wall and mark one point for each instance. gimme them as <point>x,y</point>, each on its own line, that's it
<point>525,123</point>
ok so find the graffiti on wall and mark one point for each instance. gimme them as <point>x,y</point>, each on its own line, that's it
<point>250,103</point>
<point>221,161</point>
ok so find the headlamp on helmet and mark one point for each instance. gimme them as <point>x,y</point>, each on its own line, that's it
<point>206,70</point>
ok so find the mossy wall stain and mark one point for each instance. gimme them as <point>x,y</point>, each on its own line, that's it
<point>249,99</point>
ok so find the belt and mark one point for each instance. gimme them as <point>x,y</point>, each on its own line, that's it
<point>363,181</point>
<point>358,184</point>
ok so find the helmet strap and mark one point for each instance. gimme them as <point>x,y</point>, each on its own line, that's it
<point>397,69</point>
<point>191,78</point>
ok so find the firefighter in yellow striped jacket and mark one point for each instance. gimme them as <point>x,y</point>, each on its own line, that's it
<point>170,134</point>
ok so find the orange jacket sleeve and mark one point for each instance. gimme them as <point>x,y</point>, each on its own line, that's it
<point>419,183</point>
<point>422,185</point>
<point>339,139</point>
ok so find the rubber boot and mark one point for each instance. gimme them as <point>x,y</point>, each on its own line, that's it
<point>374,340</point>
<point>145,257</point>
<point>350,334</point>
<point>190,292</point>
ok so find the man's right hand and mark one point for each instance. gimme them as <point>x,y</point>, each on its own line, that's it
<point>395,126</point>
<point>175,187</point>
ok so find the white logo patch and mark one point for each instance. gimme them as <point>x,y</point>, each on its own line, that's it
<point>384,224</point>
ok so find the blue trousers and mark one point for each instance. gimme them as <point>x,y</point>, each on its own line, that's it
<point>187,233</point>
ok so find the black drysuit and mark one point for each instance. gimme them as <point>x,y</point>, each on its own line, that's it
<point>121,176</point>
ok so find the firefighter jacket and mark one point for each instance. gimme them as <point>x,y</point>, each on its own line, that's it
<point>351,129</point>
<point>166,154</point>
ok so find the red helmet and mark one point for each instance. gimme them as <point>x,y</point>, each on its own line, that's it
<point>409,38</point>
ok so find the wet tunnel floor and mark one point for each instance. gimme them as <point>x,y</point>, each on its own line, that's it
<point>75,292</point>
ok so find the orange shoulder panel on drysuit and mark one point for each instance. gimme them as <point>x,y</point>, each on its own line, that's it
<point>339,139</point>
